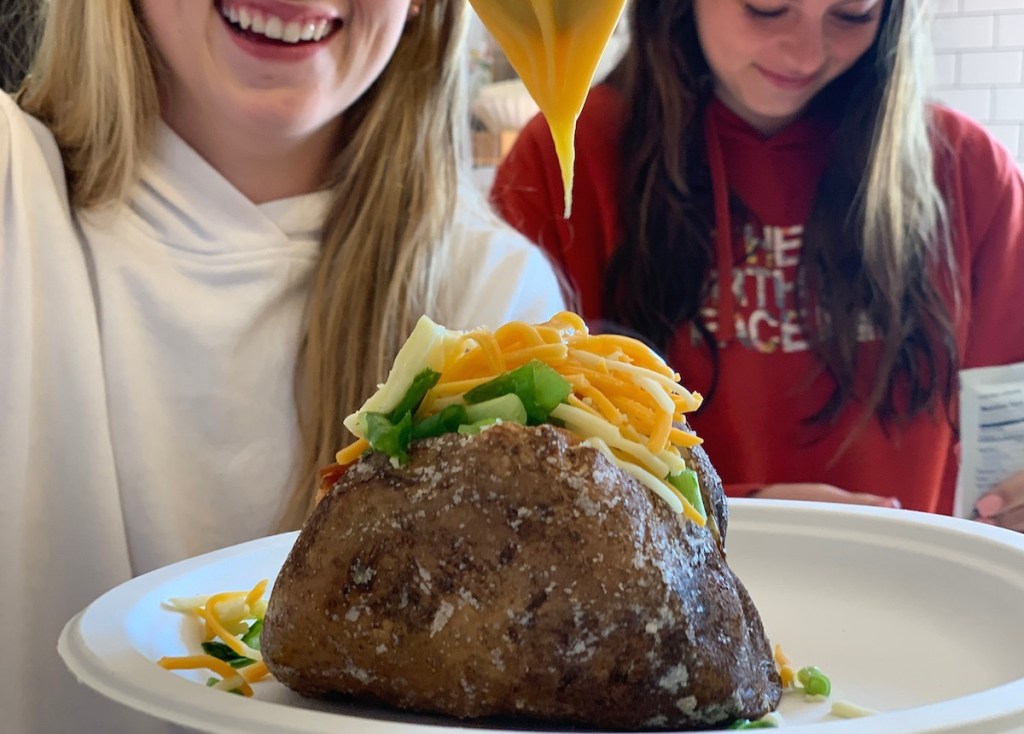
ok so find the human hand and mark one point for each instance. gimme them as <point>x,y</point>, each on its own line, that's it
<point>826,493</point>
<point>1004,505</point>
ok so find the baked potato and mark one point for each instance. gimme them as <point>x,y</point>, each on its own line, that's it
<point>519,572</point>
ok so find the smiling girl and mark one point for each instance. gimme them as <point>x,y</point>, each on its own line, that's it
<point>763,193</point>
<point>220,219</point>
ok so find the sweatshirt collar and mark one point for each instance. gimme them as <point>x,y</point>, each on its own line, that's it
<point>722,128</point>
<point>808,129</point>
<point>188,204</point>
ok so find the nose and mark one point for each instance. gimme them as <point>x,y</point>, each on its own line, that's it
<point>805,47</point>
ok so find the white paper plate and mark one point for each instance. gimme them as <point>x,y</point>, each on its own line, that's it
<point>917,616</point>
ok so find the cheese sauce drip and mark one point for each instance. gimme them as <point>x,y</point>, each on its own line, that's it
<point>554,46</point>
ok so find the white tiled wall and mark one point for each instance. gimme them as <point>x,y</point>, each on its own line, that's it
<point>979,64</point>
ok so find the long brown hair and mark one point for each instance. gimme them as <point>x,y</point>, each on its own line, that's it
<point>386,238</point>
<point>876,244</point>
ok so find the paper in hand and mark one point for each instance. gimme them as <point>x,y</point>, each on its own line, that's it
<point>991,432</point>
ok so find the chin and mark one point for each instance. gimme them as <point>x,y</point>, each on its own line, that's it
<point>292,115</point>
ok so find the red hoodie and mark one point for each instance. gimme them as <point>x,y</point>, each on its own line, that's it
<point>755,428</point>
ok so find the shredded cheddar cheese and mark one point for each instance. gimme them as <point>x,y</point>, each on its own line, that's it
<point>229,675</point>
<point>222,617</point>
<point>625,401</point>
<point>352,452</point>
<point>785,668</point>
<point>215,627</point>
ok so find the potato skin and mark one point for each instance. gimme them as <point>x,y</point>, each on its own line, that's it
<point>517,573</point>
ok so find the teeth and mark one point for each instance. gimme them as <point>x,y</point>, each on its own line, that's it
<point>292,32</point>
<point>273,27</point>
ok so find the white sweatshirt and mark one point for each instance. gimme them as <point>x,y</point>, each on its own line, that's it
<point>146,411</point>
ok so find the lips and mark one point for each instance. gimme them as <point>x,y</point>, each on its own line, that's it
<point>784,81</point>
<point>278,24</point>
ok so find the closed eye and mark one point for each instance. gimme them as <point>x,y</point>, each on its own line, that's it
<point>757,12</point>
<point>856,18</point>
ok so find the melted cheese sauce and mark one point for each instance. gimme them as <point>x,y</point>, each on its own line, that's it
<point>554,46</point>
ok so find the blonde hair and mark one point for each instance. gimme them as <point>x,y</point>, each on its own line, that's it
<point>386,238</point>
<point>386,250</point>
<point>896,230</point>
<point>902,157</point>
<point>92,83</point>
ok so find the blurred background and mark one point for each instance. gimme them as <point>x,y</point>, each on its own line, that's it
<point>18,26</point>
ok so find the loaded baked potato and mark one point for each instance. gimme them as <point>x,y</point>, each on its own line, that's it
<point>520,570</point>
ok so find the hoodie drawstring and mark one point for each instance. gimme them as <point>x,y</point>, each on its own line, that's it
<point>723,232</point>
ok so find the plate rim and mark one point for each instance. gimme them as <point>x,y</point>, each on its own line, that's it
<point>121,673</point>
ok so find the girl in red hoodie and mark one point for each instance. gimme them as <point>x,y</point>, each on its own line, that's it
<point>763,193</point>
